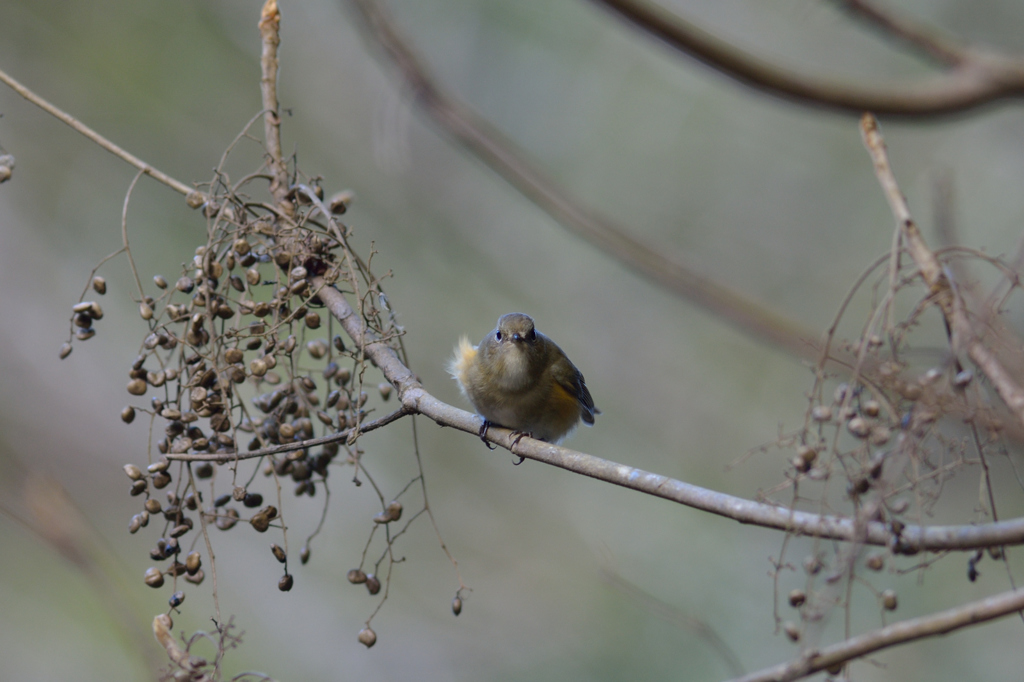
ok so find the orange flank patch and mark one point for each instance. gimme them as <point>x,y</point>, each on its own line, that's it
<point>563,405</point>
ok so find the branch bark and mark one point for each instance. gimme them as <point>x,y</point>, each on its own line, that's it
<point>980,611</point>
<point>417,400</point>
<point>975,79</point>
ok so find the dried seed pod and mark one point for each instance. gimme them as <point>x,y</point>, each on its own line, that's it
<point>792,631</point>
<point>196,579</point>
<point>134,472</point>
<point>180,530</point>
<point>312,320</point>
<point>278,553</point>
<point>192,562</point>
<point>871,408</point>
<point>271,511</point>
<point>260,522</point>
<point>161,480</point>
<point>262,309</point>
<point>859,427</point>
<point>137,387</point>
<point>145,311</point>
<point>457,605</point>
<point>135,524</point>
<point>270,360</point>
<point>153,577</point>
<point>382,518</point>
<point>317,348</point>
<point>372,583</point>
<point>821,413</point>
<point>889,601</point>
<point>99,285</point>
<point>363,397</point>
<point>228,519</point>
<point>85,334</point>
<point>367,637</point>
<point>236,283</point>
<point>394,510</point>
<point>258,367</point>
<point>297,273</point>
<point>385,390</point>
<point>139,487</point>
<point>963,378</point>
<point>83,320</point>
<point>176,599</point>
<point>161,464</point>
<point>240,246</point>
<point>160,281</point>
<point>339,203</point>
<point>876,562</point>
<point>285,583</point>
<point>286,431</point>
<point>356,576</point>
<point>797,598</point>
<point>81,307</point>
<point>252,500</point>
<point>304,555</point>
<point>171,414</point>
<point>343,376</point>
<point>153,505</point>
<point>252,276</point>
<point>65,350</point>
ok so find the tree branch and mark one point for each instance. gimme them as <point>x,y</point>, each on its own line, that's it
<point>937,277</point>
<point>417,400</point>
<point>195,197</point>
<point>980,611</point>
<point>499,154</point>
<point>975,79</point>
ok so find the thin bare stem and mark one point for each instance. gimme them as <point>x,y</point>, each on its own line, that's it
<point>195,197</point>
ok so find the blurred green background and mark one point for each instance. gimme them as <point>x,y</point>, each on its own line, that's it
<point>774,200</point>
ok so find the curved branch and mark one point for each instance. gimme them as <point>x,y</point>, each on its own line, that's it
<point>980,611</point>
<point>416,399</point>
<point>975,79</point>
<point>492,148</point>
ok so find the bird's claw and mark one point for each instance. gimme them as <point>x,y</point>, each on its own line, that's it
<point>483,434</point>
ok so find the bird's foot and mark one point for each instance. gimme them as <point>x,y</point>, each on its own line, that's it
<point>483,434</point>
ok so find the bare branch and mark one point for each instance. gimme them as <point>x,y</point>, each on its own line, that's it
<point>194,196</point>
<point>417,400</point>
<point>980,611</point>
<point>975,79</point>
<point>935,276</point>
<point>492,148</point>
<point>224,457</point>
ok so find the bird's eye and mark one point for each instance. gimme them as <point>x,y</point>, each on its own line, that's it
<point>531,335</point>
<point>497,335</point>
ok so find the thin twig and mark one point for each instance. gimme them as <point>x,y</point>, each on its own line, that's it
<point>224,457</point>
<point>943,294</point>
<point>195,197</point>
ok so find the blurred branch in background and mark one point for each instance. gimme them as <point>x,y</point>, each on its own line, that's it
<point>832,658</point>
<point>972,78</point>
<point>473,133</point>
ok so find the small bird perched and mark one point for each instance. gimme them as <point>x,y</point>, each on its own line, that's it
<point>520,379</point>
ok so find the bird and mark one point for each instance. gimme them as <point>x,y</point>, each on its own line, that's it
<point>520,379</point>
